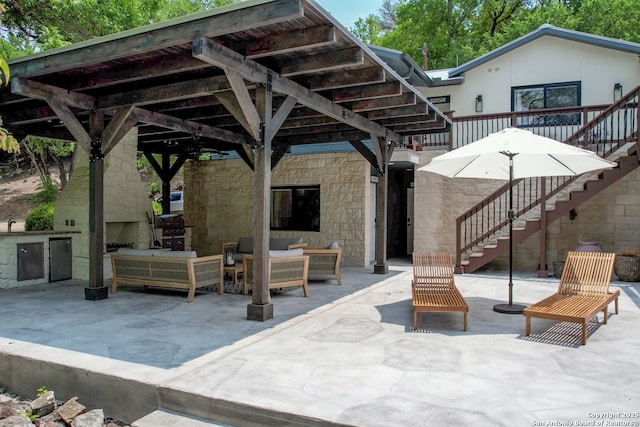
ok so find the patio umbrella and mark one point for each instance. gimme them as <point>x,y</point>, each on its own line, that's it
<point>512,154</point>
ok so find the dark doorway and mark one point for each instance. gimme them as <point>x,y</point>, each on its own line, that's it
<point>400,181</point>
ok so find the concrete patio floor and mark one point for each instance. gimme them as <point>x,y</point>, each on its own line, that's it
<point>347,355</point>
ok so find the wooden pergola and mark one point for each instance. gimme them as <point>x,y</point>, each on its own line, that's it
<point>253,78</point>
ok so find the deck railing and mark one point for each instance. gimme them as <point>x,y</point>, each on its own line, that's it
<point>602,129</point>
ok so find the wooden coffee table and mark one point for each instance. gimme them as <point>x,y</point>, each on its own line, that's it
<point>234,270</point>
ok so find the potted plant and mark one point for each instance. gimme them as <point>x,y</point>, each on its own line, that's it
<point>627,265</point>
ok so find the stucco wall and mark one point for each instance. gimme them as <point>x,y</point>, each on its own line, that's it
<point>544,60</point>
<point>219,197</point>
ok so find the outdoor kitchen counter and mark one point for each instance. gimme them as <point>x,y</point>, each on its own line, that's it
<point>25,256</point>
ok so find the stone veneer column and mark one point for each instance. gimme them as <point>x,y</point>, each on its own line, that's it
<point>125,202</point>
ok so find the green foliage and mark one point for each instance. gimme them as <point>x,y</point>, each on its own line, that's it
<point>157,208</point>
<point>28,414</point>
<point>47,194</point>
<point>457,31</point>
<point>41,218</point>
<point>35,25</point>
<point>7,142</point>
<point>47,146</point>
<point>154,187</point>
<point>368,29</point>
<point>42,390</point>
<point>4,72</point>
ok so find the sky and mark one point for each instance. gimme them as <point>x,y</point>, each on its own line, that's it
<point>347,12</point>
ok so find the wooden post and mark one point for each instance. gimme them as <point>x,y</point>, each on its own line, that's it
<point>542,264</point>
<point>96,290</point>
<point>383,151</point>
<point>261,307</point>
<point>166,185</point>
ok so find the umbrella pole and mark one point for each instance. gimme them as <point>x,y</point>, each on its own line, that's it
<point>510,308</point>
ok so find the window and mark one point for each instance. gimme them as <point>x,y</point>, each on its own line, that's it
<point>295,208</point>
<point>537,97</point>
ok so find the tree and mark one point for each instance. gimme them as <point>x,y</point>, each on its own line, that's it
<point>459,30</point>
<point>30,26</point>
<point>40,150</point>
<point>612,18</point>
<point>39,25</point>
<point>368,29</point>
<point>443,24</point>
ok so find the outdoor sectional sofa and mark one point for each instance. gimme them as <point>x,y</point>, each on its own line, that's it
<point>166,269</point>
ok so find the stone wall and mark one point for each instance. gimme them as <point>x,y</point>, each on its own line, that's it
<point>439,201</point>
<point>219,201</point>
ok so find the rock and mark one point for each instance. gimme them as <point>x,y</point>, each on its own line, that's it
<point>50,420</point>
<point>71,413</point>
<point>71,409</point>
<point>17,421</point>
<point>93,418</point>
<point>44,404</point>
<point>7,410</point>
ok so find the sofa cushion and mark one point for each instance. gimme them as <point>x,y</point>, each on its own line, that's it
<point>139,252</point>
<point>176,254</point>
<point>284,253</point>
<point>245,245</point>
<point>281,243</point>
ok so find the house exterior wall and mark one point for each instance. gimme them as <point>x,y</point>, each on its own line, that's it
<point>611,217</point>
<point>544,60</point>
<point>219,197</point>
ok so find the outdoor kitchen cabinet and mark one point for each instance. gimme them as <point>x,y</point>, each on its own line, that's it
<point>60,259</point>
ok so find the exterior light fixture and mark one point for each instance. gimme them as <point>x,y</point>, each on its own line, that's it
<point>617,92</point>
<point>479,104</point>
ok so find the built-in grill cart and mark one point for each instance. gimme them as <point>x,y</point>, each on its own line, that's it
<point>173,232</point>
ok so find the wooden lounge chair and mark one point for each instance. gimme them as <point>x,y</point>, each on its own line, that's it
<point>583,292</point>
<point>433,287</point>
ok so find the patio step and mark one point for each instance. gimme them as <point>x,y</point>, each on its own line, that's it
<point>171,419</point>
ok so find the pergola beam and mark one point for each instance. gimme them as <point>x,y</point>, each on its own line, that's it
<point>211,24</point>
<point>194,128</point>
<point>220,56</point>
<point>292,41</point>
<point>379,90</point>
<point>323,62</point>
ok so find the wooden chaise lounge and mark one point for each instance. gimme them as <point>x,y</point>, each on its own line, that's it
<point>433,287</point>
<point>582,294</point>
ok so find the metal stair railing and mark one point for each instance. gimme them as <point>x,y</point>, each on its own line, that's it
<point>604,133</point>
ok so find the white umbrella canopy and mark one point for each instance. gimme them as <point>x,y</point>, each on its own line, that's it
<point>511,154</point>
<point>533,156</point>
